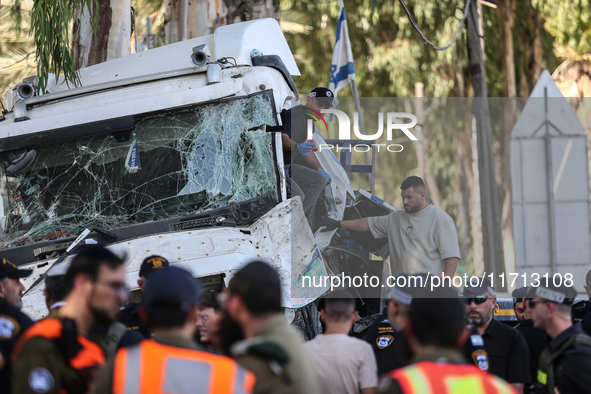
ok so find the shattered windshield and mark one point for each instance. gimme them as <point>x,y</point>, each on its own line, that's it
<point>170,165</point>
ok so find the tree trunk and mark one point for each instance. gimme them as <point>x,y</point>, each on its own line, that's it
<point>422,149</point>
<point>240,11</point>
<point>175,20</point>
<point>533,68</point>
<point>113,33</point>
<point>205,16</point>
<point>506,14</point>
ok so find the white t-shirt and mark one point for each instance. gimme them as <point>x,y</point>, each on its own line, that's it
<point>345,364</point>
<point>418,242</point>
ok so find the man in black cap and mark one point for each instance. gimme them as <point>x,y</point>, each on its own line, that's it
<point>305,174</point>
<point>129,314</point>
<point>536,338</point>
<point>566,363</point>
<point>416,286</point>
<point>435,330</point>
<point>13,322</point>
<point>519,303</point>
<point>581,311</point>
<point>272,350</point>
<point>507,351</point>
<point>172,362</point>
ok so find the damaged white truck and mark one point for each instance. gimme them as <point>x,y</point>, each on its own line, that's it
<point>166,152</point>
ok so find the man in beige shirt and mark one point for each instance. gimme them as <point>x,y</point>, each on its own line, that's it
<point>346,365</point>
<point>421,238</point>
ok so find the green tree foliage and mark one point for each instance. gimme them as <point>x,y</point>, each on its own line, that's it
<point>390,57</point>
<point>50,28</point>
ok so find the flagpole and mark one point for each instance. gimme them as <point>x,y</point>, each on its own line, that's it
<point>342,60</point>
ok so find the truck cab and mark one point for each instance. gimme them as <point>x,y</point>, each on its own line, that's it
<point>161,152</point>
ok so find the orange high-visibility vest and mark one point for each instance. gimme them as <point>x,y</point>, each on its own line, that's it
<point>86,361</point>
<point>429,377</point>
<point>155,368</point>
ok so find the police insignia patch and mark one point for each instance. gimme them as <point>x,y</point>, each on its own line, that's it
<point>480,358</point>
<point>383,341</point>
<point>41,380</point>
<point>8,327</point>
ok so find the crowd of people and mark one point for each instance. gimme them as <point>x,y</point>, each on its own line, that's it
<point>182,339</point>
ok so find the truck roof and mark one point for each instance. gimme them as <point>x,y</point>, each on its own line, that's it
<point>235,41</point>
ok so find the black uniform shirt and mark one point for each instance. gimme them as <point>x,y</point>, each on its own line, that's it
<point>581,312</point>
<point>131,318</point>
<point>13,323</point>
<point>537,340</point>
<point>388,346</point>
<point>474,350</point>
<point>295,126</point>
<point>572,369</point>
<point>508,353</point>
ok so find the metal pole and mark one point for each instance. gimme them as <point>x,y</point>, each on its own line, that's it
<point>550,187</point>
<point>362,129</point>
<point>494,259</point>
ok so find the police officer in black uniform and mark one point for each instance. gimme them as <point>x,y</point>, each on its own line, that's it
<point>506,349</point>
<point>581,311</point>
<point>13,322</point>
<point>381,336</point>
<point>129,314</point>
<point>398,353</point>
<point>536,338</point>
<point>566,363</point>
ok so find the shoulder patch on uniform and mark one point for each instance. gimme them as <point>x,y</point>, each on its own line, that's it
<point>9,327</point>
<point>383,341</point>
<point>476,340</point>
<point>269,351</point>
<point>41,380</point>
<point>480,358</point>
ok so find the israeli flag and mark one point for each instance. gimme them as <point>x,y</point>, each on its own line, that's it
<point>342,71</point>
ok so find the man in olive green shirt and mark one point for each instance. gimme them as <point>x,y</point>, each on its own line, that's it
<point>272,350</point>
<point>59,354</point>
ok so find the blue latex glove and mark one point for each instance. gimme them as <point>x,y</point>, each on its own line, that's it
<point>325,175</point>
<point>305,148</point>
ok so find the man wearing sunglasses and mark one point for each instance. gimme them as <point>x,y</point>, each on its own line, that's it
<point>507,351</point>
<point>566,363</point>
<point>59,354</point>
<point>536,338</point>
<point>435,330</point>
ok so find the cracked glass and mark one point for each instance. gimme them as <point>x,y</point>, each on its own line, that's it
<point>170,165</point>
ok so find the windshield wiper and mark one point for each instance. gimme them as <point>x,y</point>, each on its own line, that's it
<point>83,235</point>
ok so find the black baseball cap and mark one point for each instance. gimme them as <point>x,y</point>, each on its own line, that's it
<point>9,270</point>
<point>172,289</point>
<point>151,263</point>
<point>324,95</point>
<point>479,286</point>
<point>519,294</point>
<point>559,294</point>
